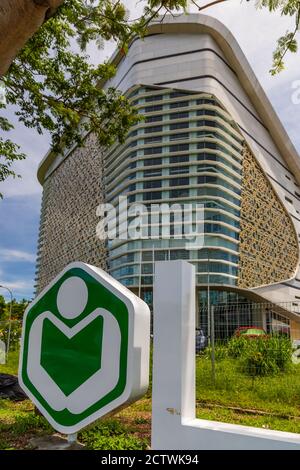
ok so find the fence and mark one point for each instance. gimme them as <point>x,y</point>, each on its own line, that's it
<point>271,326</point>
<point>221,321</point>
<point>248,364</point>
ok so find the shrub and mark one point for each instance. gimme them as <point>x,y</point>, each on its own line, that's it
<point>221,352</point>
<point>284,349</point>
<point>15,333</point>
<point>237,345</point>
<point>266,356</point>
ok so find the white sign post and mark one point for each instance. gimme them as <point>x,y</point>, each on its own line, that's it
<point>2,352</point>
<point>174,423</point>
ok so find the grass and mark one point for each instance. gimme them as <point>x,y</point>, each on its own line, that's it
<point>12,364</point>
<point>278,394</point>
<point>129,429</point>
<point>230,416</point>
<point>18,423</point>
<point>267,402</point>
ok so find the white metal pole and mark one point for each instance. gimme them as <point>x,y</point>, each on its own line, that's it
<point>153,263</point>
<point>212,343</point>
<point>9,319</point>
<point>208,300</point>
<point>140,275</point>
<point>173,389</point>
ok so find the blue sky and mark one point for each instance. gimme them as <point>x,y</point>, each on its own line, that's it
<point>256,32</point>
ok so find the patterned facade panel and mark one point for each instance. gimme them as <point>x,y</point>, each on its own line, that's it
<point>68,217</point>
<point>268,243</point>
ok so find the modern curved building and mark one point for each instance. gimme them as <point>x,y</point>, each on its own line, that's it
<point>209,136</point>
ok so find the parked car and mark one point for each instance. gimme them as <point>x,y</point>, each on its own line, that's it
<point>201,340</point>
<point>250,332</point>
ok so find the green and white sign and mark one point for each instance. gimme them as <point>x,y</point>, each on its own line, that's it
<point>85,348</point>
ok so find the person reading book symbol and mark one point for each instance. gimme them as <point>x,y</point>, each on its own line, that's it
<point>78,357</point>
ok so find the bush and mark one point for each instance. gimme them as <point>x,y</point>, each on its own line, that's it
<point>237,345</point>
<point>221,352</point>
<point>15,333</point>
<point>266,356</point>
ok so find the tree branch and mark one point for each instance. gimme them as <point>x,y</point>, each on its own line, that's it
<point>19,20</point>
<point>208,5</point>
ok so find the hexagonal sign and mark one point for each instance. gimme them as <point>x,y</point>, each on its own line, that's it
<point>85,348</point>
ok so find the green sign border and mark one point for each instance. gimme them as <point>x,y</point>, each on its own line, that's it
<point>99,297</point>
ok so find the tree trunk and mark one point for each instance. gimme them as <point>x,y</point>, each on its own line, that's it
<point>19,20</point>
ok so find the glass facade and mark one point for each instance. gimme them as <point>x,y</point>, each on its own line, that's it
<point>175,157</point>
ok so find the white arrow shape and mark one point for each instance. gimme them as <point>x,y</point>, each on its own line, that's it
<point>93,389</point>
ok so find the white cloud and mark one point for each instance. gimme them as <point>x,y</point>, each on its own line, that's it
<point>16,255</point>
<point>18,287</point>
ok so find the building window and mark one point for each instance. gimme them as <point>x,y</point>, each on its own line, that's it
<point>216,192</point>
<point>132,154</point>
<point>152,184</point>
<point>147,255</point>
<point>153,161</point>
<point>179,169</point>
<point>152,109</point>
<point>155,138</point>
<point>217,254</point>
<point>151,196</point>
<point>175,193</point>
<point>206,123</point>
<point>179,148</point>
<point>183,135</point>
<point>179,104</point>
<point>179,182</point>
<point>147,268</point>
<point>179,254</point>
<point>179,125</point>
<point>151,129</point>
<point>153,118</point>
<point>179,159</point>
<point>152,150</point>
<point>207,145</point>
<point>152,172</point>
<point>206,101</point>
<point>154,98</point>
<point>216,228</point>
<point>179,115</point>
<point>206,112</point>
<point>177,94</point>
